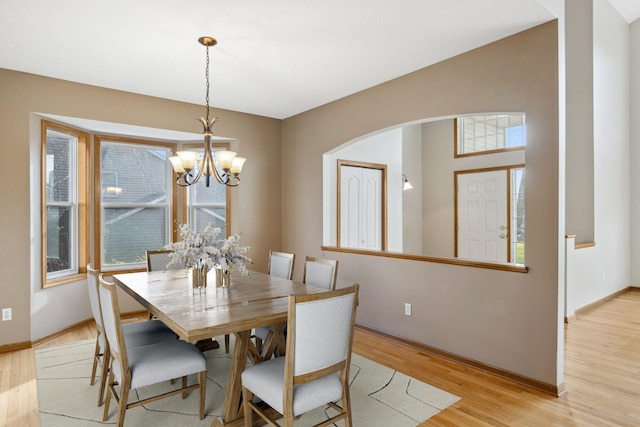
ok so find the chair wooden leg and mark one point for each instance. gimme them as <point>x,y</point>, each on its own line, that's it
<point>226,343</point>
<point>288,420</point>
<point>247,397</point>
<point>103,377</point>
<point>346,406</point>
<point>202,381</point>
<point>105,414</point>
<point>96,356</point>
<point>184,385</point>
<point>122,404</point>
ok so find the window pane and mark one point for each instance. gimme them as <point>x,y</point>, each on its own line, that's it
<point>483,133</point>
<point>133,173</point>
<point>518,217</point>
<point>216,193</point>
<point>135,200</point>
<point>208,205</point>
<point>58,166</point>
<point>206,216</point>
<point>58,238</point>
<point>129,232</point>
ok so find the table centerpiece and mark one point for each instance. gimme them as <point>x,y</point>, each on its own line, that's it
<point>205,251</point>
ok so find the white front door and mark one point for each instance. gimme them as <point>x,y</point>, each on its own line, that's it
<point>483,222</point>
<point>360,208</point>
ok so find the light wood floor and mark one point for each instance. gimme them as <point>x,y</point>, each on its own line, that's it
<point>602,377</point>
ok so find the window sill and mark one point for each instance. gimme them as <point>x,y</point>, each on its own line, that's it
<point>64,280</point>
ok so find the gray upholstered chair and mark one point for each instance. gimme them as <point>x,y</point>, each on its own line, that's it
<point>320,272</point>
<point>317,272</point>
<point>280,265</point>
<point>315,370</point>
<point>135,367</point>
<point>158,260</point>
<point>135,334</point>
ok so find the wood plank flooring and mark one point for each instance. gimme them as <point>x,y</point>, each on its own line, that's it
<point>602,377</point>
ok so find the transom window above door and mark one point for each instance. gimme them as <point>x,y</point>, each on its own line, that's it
<point>489,133</point>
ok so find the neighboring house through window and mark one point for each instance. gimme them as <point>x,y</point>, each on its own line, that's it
<point>136,200</point>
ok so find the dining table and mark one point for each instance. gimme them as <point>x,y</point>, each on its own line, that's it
<point>252,300</point>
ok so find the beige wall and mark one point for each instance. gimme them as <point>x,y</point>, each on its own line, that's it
<point>256,203</point>
<point>504,319</point>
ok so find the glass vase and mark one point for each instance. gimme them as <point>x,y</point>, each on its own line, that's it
<point>223,278</point>
<point>199,277</point>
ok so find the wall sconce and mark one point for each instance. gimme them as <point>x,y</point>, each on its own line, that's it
<point>406,185</point>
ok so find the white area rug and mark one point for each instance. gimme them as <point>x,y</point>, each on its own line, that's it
<point>379,396</point>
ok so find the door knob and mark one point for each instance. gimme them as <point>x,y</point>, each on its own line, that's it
<point>502,236</point>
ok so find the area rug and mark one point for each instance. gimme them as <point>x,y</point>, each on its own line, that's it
<point>379,396</point>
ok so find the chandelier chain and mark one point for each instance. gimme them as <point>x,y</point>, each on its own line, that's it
<point>207,75</point>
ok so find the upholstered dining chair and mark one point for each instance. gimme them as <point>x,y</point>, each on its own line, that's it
<point>280,265</point>
<point>315,370</point>
<point>135,334</point>
<point>157,260</point>
<point>320,272</point>
<point>135,367</point>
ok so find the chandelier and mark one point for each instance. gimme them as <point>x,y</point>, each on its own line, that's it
<point>190,166</point>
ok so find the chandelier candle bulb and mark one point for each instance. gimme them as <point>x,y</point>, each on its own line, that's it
<point>188,159</point>
<point>225,159</point>
<point>177,164</point>
<point>236,165</point>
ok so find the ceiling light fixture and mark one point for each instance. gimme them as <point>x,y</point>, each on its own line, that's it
<point>185,163</point>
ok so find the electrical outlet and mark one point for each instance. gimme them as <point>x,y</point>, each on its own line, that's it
<point>407,309</point>
<point>6,314</point>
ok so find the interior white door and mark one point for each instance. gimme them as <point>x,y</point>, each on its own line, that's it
<point>360,208</point>
<point>483,225</point>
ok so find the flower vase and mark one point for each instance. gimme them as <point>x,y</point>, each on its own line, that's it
<point>199,277</point>
<point>223,278</point>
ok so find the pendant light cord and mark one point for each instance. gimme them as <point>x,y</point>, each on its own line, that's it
<point>207,76</point>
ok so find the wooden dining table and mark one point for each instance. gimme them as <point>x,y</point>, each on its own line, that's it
<point>195,314</point>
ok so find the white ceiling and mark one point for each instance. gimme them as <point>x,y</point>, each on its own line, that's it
<point>274,58</point>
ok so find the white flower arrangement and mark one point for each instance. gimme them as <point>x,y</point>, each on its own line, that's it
<point>206,250</point>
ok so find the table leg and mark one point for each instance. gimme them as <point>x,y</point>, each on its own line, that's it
<point>231,411</point>
<point>280,339</point>
<point>275,342</point>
